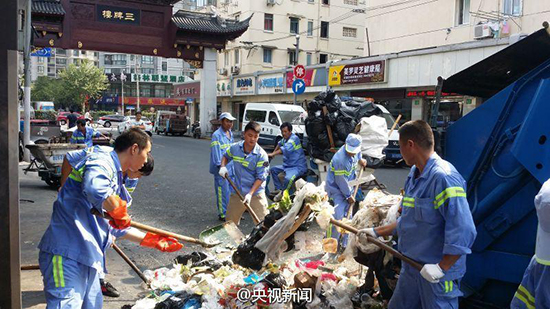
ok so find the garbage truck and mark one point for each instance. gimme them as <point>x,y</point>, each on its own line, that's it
<point>502,149</point>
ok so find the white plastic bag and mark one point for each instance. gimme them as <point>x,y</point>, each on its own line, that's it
<point>374,132</point>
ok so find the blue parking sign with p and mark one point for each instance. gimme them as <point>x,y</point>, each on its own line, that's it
<point>298,86</point>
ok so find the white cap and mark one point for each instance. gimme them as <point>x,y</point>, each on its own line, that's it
<point>542,205</point>
<point>227,116</point>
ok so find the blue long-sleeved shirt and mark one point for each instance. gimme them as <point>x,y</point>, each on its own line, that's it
<point>80,138</point>
<point>293,153</point>
<point>248,167</point>
<point>218,147</point>
<point>341,171</point>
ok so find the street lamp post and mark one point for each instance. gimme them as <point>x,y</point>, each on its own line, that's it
<point>122,92</point>
<point>296,62</point>
<point>137,80</point>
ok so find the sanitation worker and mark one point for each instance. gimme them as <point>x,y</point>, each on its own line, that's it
<point>84,134</point>
<point>294,160</point>
<point>251,166</point>
<point>72,250</point>
<point>435,228</point>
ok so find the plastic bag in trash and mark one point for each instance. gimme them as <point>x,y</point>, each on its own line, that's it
<point>176,301</point>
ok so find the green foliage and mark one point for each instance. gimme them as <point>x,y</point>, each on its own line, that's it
<point>148,115</point>
<point>84,81</point>
<point>45,115</point>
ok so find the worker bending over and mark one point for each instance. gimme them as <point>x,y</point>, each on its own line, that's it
<point>72,250</point>
<point>294,160</point>
<point>221,141</point>
<point>435,227</point>
<point>251,166</point>
<point>84,134</point>
<point>534,290</point>
<point>341,171</point>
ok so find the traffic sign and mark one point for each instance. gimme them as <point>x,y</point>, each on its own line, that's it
<point>298,86</point>
<point>42,52</point>
<point>299,71</point>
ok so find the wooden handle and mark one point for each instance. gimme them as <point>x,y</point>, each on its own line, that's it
<point>252,213</point>
<point>303,216</point>
<point>130,263</point>
<point>329,129</point>
<point>379,244</point>
<point>394,125</point>
<point>30,267</point>
<point>355,191</point>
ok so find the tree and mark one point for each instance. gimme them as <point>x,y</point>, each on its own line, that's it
<point>82,82</point>
<point>45,89</point>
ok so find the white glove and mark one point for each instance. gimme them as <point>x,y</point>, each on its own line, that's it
<point>223,171</point>
<point>247,199</point>
<point>432,273</point>
<point>362,234</point>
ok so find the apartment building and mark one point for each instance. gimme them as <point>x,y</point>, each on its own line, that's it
<point>59,60</point>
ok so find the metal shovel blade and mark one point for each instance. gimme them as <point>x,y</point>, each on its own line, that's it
<point>227,234</point>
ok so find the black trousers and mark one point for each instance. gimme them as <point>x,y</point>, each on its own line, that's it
<point>375,263</point>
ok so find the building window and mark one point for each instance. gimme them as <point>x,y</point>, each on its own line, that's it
<point>512,7</point>
<point>60,52</point>
<point>75,53</point>
<point>323,58</point>
<point>324,29</point>
<point>40,59</point>
<point>292,57</point>
<point>147,60</point>
<point>462,12</point>
<point>325,2</point>
<point>160,92</point>
<point>164,66</point>
<point>349,32</point>
<point>147,71</point>
<point>311,1</point>
<point>61,61</point>
<point>308,59</point>
<point>237,60</point>
<point>268,55</point>
<point>268,22</point>
<point>350,2</point>
<point>119,59</point>
<point>294,25</point>
<point>107,71</point>
<point>310,28</point>
<point>41,70</point>
<point>96,54</point>
<point>226,59</point>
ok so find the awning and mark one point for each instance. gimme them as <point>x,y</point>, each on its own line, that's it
<point>489,76</point>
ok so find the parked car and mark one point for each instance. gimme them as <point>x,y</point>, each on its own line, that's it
<point>123,126</point>
<point>62,117</point>
<point>110,120</point>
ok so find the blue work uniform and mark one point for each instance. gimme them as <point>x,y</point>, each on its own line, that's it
<point>79,138</point>
<point>72,249</point>
<point>534,290</point>
<point>248,167</point>
<point>435,221</point>
<point>341,171</point>
<point>294,163</point>
<point>219,145</point>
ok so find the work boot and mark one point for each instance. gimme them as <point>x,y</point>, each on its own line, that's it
<point>107,289</point>
<point>221,218</point>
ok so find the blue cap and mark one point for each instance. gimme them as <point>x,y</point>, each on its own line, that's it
<point>353,143</point>
<point>227,116</point>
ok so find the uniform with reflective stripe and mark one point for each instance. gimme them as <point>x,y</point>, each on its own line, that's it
<point>218,147</point>
<point>341,171</point>
<point>248,167</point>
<point>79,138</point>
<point>435,221</point>
<point>294,163</point>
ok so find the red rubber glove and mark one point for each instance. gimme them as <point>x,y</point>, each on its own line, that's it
<point>162,243</point>
<point>121,219</point>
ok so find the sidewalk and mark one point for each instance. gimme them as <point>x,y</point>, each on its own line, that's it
<point>36,200</point>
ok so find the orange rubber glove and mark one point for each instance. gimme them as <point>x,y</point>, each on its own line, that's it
<point>121,219</point>
<point>162,243</point>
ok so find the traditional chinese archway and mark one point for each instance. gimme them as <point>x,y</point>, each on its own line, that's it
<point>146,27</point>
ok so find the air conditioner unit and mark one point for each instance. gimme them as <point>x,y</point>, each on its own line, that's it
<point>223,71</point>
<point>482,31</point>
<point>235,70</point>
<point>271,2</point>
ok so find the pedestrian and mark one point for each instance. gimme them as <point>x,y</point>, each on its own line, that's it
<point>221,141</point>
<point>88,116</point>
<point>138,123</point>
<point>72,250</point>
<point>251,166</point>
<point>341,171</point>
<point>534,290</point>
<point>71,118</point>
<point>294,160</point>
<point>84,134</point>
<point>435,227</point>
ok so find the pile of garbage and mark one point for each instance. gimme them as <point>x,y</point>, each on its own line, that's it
<point>342,116</point>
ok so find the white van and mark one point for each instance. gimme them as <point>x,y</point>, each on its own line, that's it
<point>270,116</point>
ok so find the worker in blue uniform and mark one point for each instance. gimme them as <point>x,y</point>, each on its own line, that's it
<point>73,246</point>
<point>534,290</point>
<point>341,171</point>
<point>84,134</point>
<point>221,141</point>
<point>294,160</point>
<point>251,167</point>
<point>435,227</point>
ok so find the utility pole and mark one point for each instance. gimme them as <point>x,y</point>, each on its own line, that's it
<point>27,86</point>
<point>122,92</point>
<point>138,62</point>
<point>296,61</point>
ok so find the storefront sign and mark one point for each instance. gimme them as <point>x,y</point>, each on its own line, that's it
<point>428,93</point>
<point>154,101</point>
<point>270,84</point>
<point>361,73</point>
<point>187,90</point>
<point>158,78</point>
<point>119,15</point>
<point>119,78</point>
<point>223,88</point>
<point>244,86</point>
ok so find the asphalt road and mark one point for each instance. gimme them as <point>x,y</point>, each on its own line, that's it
<point>178,197</point>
